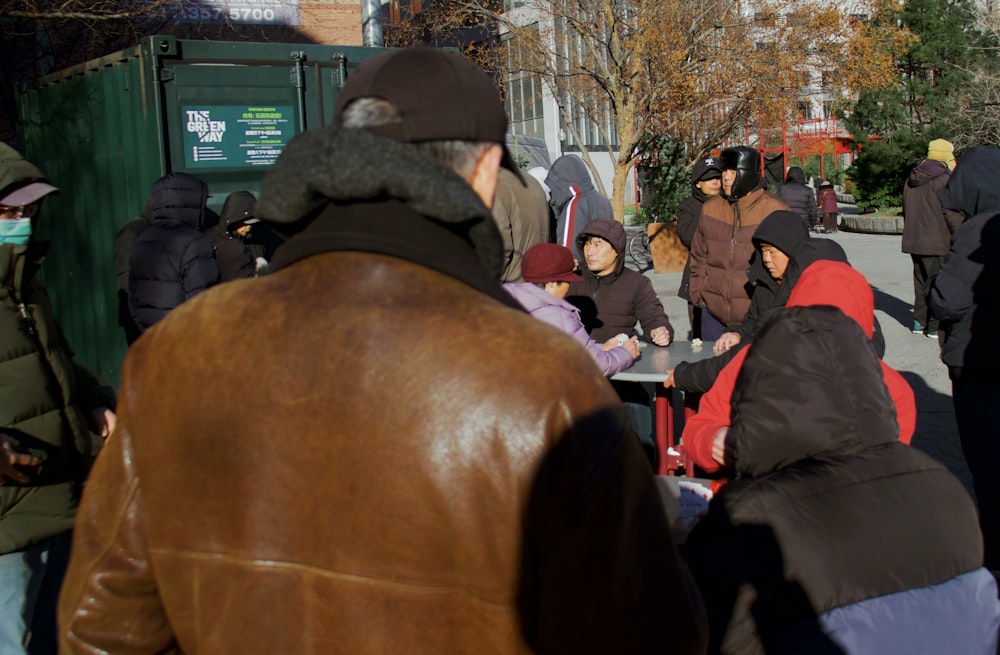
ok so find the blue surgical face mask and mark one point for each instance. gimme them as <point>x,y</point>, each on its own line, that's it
<point>15,231</point>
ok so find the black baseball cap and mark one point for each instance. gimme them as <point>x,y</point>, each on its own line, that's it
<point>439,96</point>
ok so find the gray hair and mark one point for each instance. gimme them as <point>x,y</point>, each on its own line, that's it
<point>459,156</point>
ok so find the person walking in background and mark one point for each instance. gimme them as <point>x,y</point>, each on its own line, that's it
<point>124,240</point>
<point>487,507</point>
<point>799,197</point>
<point>53,413</point>
<point>172,261</point>
<point>826,199</point>
<point>548,269</point>
<point>574,200</point>
<point>721,248</point>
<point>927,227</point>
<point>706,181</point>
<point>965,297</point>
<point>521,211</point>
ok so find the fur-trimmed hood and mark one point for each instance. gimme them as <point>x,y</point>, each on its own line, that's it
<point>349,167</point>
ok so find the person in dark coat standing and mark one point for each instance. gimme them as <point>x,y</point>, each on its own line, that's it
<point>826,199</point>
<point>965,297</point>
<point>522,213</point>
<point>706,181</point>
<point>124,241</point>
<point>53,413</point>
<point>835,537</point>
<point>172,261</point>
<point>799,197</point>
<point>927,226</point>
<point>233,254</point>
<point>574,201</point>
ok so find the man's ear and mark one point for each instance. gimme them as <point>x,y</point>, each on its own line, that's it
<point>484,176</point>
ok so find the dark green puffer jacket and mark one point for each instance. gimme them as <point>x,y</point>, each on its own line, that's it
<point>44,398</point>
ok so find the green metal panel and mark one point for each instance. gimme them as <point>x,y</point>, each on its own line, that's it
<point>104,131</point>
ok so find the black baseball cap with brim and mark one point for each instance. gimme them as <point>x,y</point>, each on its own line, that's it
<point>706,168</point>
<point>439,95</point>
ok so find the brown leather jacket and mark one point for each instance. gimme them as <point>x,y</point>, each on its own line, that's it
<point>406,464</point>
<point>721,250</point>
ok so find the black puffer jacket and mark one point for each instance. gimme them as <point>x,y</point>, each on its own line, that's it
<point>829,509</point>
<point>964,295</point>
<point>235,258</point>
<point>688,212</point>
<point>171,261</point>
<point>799,198</point>
<point>612,304</point>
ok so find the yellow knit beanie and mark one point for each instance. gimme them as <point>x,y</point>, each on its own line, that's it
<point>942,151</point>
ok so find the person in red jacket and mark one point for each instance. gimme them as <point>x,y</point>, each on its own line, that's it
<point>824,283</point>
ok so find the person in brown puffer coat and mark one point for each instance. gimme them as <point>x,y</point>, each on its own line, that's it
<point>721,249</point>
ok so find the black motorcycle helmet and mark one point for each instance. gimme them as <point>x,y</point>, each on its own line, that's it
<point>746,162</point>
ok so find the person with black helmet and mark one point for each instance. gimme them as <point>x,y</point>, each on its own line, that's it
<point>722,246</point>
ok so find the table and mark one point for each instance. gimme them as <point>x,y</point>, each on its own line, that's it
<point>652,366</point>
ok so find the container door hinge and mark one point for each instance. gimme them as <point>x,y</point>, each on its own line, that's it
<point>166,75</point>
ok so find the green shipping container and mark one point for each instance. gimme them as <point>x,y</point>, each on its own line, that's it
<point>104,131</point>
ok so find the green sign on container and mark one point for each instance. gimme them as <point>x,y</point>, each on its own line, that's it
<point>226,136</point>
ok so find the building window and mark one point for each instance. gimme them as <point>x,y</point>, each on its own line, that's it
<point>588,108</point>
<point>524,92</point>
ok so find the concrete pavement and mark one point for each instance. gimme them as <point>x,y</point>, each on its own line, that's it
<point>916,357</point>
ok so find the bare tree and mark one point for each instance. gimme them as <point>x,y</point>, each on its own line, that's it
<point>625,71</point>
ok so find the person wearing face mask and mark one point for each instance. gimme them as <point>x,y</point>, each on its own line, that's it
<point>722,246</point>
<point>706,181</point>
<point>52,415</point>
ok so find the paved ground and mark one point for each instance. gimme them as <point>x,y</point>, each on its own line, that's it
<point>879,258</point>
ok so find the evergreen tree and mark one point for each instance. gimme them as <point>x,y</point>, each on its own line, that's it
<point>894,125</point>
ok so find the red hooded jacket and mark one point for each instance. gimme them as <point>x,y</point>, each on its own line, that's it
<point>823,283</point>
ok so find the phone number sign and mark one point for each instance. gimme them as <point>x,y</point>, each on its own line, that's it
<point>254,12</point>
<point>235,136</point>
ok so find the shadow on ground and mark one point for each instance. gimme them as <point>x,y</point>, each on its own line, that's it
<point>894,307</point>
<point>937,433</point>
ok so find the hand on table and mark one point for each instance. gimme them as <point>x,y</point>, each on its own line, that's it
<point>669,382</point>
<point>11,462</point>
<point>660,336</point>
<point>726,341</point>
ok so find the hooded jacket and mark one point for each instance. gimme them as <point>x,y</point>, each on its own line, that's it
<point>721,250</point>
<point>826,198</point>
<point>574,200</point>
<point>688,212</point>
<point>232,254</point>
<point>927,226</point>
<point>964,294</point>
<point>565,317</point>
<point>799,197</point>
<point>172,261</point>
<point>471,516</point>
<point>825,283</point>
<point>612,304</point>
<point>522,215</point>
<point>834,537</point>
<point>45,395</point>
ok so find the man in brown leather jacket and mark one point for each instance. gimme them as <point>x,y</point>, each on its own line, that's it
<point>430,469</point>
